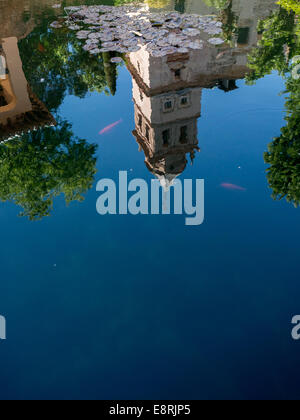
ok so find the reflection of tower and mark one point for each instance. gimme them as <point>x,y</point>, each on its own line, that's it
<point>165,119</point>
<point>20,109</point>
<point>167,90</point>
<point>166,129</point>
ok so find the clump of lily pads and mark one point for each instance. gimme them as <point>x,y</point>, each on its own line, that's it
<point>126,29</point>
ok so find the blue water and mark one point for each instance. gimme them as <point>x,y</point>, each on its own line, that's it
<point>144,307</point>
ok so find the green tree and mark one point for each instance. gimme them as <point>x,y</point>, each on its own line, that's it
<point>230,22</point>
<point>277,46</point>
<point>44,164</point>
<point>56,65</point>
<point>291,5</point>
<point>283,154</point>
<point>180,6</point>
<point>110,71</point>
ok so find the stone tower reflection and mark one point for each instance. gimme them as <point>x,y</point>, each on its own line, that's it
<point>167,96</point>
<point>166,115</point>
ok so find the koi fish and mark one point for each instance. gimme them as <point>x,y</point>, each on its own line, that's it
<point>110,127</point>
<point>41,48</point>
<point>232,187</point>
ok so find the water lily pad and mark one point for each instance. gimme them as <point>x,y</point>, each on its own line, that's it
<point>127,28</point>
<point>95,51</point>
<point>116,60</point>
<point>56,25</point>
<point>216,41</point>
<point>183,50</point>
<point>213,31</point>
<point>191,32</point>
<point>133,49</point>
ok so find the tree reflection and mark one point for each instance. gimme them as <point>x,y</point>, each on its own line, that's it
<point>283,155</point>
<point>40,165</point>
<point>291,5</point>
<point>55,65</point>
<point>44,164</point>
<point>279,44</point>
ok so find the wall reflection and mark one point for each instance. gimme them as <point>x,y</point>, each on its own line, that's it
<point>20,109</point>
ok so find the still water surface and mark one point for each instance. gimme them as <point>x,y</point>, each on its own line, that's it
<point>145,307</point>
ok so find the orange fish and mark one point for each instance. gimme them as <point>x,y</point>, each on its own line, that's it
<point>41,48</point>
<point>110,127</point>
<point>232,187</point>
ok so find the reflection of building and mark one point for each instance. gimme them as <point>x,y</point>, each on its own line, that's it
<point>20,109</point>
<point>167,91</point>
<point>203,68</point>
<point>166,129</point>
<point>210,65</point>
<point>247,13</point>
<point>167,109</point>
<point>167,96</point>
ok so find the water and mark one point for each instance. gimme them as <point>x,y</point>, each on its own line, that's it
<point>144,307</point>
